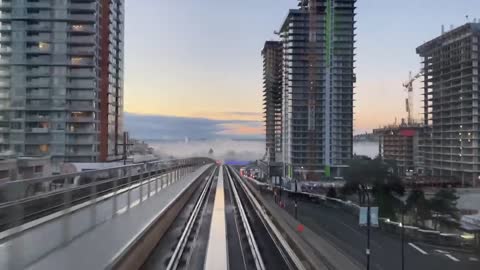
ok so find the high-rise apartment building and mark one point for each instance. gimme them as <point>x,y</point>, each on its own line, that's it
<point>451,147</point>
<point>318,54</point>
<point>61,79</point>
<point>272,98</point>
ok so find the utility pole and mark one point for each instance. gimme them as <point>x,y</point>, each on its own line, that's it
<point>125,141</point>
<point>124,145</point>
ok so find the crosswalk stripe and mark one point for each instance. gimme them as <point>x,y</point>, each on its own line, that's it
<point>418,249</point>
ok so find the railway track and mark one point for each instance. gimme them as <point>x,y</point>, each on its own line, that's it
<point>244,239</point>
<point>180,257</point>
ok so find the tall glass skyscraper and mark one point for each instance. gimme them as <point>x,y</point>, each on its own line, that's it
<point>318,54</point>
<point>61,79</point>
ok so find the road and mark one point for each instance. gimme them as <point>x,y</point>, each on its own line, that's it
<point>342,229</point>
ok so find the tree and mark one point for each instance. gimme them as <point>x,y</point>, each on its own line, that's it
<point>332,192</point>
<point>385,186</point>
<point>210,152</point>
<point>444,202</point>
<point>418,205</point>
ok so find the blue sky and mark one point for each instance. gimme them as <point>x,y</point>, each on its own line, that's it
<point>201,58</point>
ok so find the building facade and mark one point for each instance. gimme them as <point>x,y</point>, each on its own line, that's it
<point>272,99</point>
<point>61,79</point>
<point>400,143</point>
<point>24,168</point>
<point>450,147</point>
<point>318,54</point>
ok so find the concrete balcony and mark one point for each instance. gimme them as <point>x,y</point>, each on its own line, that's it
<point>81,85</point>
<point>34,5</point>
<point>81,73</point>
<point>37,130</point>
<point>39,83</point>
<point>77,61</point>
<point>37,141</point>
<point>81,39</point>
<point>37,118</point>
<point>5,50</point>
<point>82,17</point>
<point>81,141</point>
<point>39,27</point>
<point>81,120</point>
<point>80,28</point>
<point>38,96</point>
<point>81,51</point>
<point>83,130</point>
<point>45,15</point>
<point>38,50</point>
<point>86,6</point>
<point>81,106</point>
<point>5,61</point>
<point>39,72</point>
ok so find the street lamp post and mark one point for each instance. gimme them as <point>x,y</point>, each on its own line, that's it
<point>296,202</point>
<point>365,189</point>
<point>368,230</point>
<point>403,236</point>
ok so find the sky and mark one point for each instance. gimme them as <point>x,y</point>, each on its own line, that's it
<point>194,69</point>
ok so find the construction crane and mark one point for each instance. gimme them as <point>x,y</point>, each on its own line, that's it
<point>409,88</point>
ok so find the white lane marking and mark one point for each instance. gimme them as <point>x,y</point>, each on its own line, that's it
<point>418,249</point>
<point>452,258</point>
<point>473,259</point>
<point>441,251</point>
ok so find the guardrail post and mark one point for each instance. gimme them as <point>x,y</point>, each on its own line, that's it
<point>149,181</point>
<point>115,189</point>
<point>156,183</point>
<point>93,200</point>
<point>129,185</point>
<point>141,183</point>
<point>67,203</point>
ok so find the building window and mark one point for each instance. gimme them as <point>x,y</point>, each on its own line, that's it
<point>38,169</point>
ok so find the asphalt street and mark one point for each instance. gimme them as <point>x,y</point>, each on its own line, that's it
<point>342,229</point>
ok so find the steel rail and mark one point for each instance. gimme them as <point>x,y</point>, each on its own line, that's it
<point>182,242</point>
<point>259,264</point>
<point>287,252</point>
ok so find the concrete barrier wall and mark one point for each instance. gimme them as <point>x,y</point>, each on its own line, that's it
<point>139,252</point>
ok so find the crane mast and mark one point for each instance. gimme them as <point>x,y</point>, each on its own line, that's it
<point>408,85</point>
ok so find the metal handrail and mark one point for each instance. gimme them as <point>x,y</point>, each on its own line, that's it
<point>15,188</point>
<point>20,208</point>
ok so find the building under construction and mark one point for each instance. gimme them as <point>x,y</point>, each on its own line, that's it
<point>272,99</point>
<point>451,104</point>
<point>400,143</point>
<point>318,55</point>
